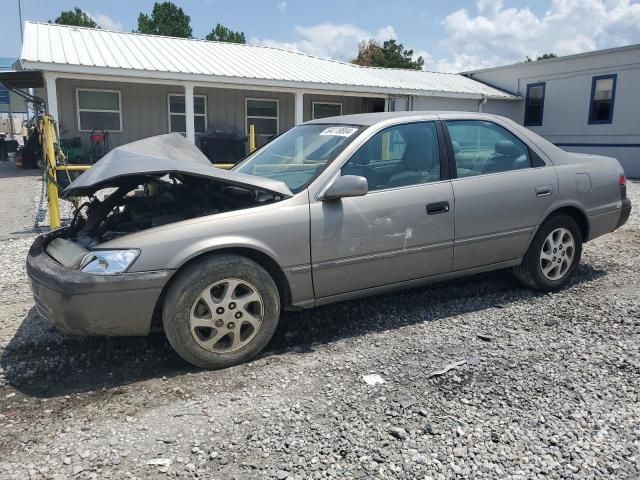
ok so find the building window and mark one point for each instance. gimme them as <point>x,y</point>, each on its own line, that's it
<point>263,115</point>
<point>326,109</point>
<point>603,94</point>
<point>178,117</point>
<point>534,104</point>
<point>99,110</point>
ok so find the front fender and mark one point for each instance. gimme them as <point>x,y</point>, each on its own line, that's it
<point>208,245</point>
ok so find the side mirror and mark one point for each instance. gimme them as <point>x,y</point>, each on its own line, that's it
<point>346,186</point>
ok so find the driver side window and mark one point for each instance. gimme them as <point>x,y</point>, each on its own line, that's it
<point>398,156</point>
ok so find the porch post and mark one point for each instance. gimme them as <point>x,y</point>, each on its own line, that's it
<point>299,109</point>
<point>52,95</point>
<point>188,110</point>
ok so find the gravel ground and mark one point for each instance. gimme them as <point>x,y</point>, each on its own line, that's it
<point>545,386</point>
<point>17,189</point>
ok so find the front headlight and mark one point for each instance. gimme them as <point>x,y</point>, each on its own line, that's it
<point>108,261</point>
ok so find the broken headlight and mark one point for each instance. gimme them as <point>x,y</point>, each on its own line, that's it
<point>108,261</point>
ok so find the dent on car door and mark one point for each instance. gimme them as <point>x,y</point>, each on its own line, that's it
<point>501,191</point>
<point>387,235</point>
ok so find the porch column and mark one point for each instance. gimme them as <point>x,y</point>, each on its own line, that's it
<point>386,104</point>
<point>188,110</point>
<point>299,109</point>
<point>52,95</point>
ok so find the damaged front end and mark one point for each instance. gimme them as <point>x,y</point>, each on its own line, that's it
<point>146,184</point>
<point>86,288</point>
<point>141,202</point>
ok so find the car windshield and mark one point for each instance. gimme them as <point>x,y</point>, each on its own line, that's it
<point>298,155</point>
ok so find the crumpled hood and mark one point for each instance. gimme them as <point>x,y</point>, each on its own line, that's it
<point>163,154</point>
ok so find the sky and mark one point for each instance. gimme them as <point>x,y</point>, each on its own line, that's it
<point>451,36</point>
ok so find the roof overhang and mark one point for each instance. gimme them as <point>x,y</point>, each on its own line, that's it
<point>20,79</point>
<point>159,77</point>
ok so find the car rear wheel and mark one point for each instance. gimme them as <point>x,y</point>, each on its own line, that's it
<point>221,311</point>
<point>553,256</point>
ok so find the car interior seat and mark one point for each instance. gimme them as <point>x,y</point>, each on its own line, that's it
<point>359,163</point>
<point>419,161</point>
<point>508,156</point>
<point>466,162</point>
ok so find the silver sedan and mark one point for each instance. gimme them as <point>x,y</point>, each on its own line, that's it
<point>330,210</point>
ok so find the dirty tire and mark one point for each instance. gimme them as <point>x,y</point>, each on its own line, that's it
<point>185,290</point>
<point>529,272</point>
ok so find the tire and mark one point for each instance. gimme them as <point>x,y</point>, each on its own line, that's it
<point>210,334</point>
<point>531,272</point>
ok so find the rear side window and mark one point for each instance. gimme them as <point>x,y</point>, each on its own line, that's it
<point>399,156</point>
<point>481,148</point>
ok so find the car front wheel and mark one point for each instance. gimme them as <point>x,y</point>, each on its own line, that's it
<point>553,256</point>
<point>220,311</point>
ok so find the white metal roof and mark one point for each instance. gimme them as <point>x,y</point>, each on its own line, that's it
<point>61,48</point>
<point>562,58</point>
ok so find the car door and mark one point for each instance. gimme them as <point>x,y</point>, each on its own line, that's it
<point>502,188</point>
<point>402,229</point>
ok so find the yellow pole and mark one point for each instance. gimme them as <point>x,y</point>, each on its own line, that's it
<point>385,145</point>
<point>50,165</point>
<point>72,168</point>
<point>252,138</point>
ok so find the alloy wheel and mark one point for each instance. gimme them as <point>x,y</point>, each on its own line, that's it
<point>557,254</point>
<point>226,315</point>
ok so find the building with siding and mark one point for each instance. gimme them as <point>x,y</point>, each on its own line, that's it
<point>587,103</point>
<point>135,85</point>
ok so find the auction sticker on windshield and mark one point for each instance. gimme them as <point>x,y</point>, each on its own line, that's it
<point>339,131</point>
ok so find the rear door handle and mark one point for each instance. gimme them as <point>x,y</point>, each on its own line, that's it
<point>543,190</point>
<point>438,207</point>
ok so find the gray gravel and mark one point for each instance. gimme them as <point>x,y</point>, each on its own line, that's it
<point>541,386</point>
<point>17,188</point>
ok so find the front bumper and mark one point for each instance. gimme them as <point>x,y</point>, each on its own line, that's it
<point>85,304</point>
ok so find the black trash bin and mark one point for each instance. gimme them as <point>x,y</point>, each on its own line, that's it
<point>223,146</point>
<point>11,147</point>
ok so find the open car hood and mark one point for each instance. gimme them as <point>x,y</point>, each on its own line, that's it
<point>163,154</point>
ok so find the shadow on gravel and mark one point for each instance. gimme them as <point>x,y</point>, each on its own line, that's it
<point>9,170</point>
<point>40,362</point>
<point>31,231</point>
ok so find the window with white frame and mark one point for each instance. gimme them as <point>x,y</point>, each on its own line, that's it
<point>99,110</point>
<point>326,109</point>
<point>263,115</point>
<point>178,115</point>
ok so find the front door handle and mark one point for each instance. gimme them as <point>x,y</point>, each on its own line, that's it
<point>543,190</point>
<point>438,207</point>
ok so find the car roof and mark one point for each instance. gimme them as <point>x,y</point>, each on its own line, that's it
<point>368,119</point>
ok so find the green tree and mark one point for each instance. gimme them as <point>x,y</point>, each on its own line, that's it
<point>75,17</point>
<point>390,54</point>
<point>544,56</point>
<point>222,34</point>
<point>166,19</point>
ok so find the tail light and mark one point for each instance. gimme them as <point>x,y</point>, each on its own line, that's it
<point>622,182</point>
